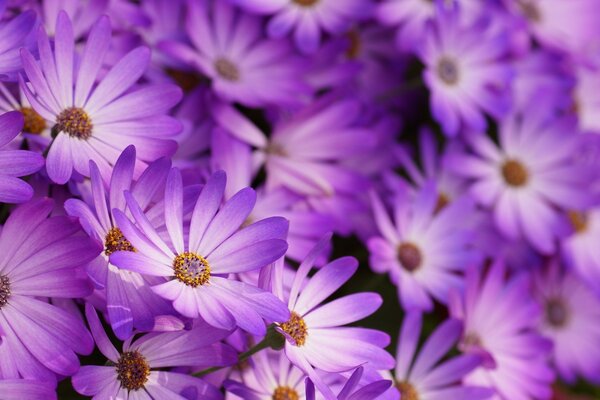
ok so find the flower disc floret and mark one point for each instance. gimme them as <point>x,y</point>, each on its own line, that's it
<point>116,241</point>
<point>76,122</point>
<point>4,290</point>
<point>191,269</point>
<point>514,173</point>
<point>33,122</point>
<point>409,256</point>
<point>296,328</point>
<point>227,70</point>
<point>285,393</point>
<point>407,391</point>
<point>132,370</point>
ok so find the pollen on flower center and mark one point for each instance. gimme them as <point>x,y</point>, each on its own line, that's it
<point>557,313</point>
<point>285,393</point>
<point>4,290</point>
<point>578,221</point>
<point>447,70</point>
<point>132,370</point>
<point>407,391</point>
<point>115,241</point>
<point>34,123</point>
<point>227,70</point>
<point>306,3</point>
<point>514,173</point>
<point>409,256</point>
<point>191,269</point>
<point>75,122</point>
<point>296,328</point>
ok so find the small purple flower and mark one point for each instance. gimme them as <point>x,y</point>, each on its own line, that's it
<point>229,48</point>
<point>138,371</point>
<point>19,389</point>
<point>87,117</point>
<point>352,390</point>
<point>197,264</point>
<point>41,258</point>
<point>422,375</point>
<point>500,319</point>
<point>15,163</point>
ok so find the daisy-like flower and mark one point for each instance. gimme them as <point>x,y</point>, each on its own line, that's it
<point>19,389</point>
<point>571,316</point>
<point>130,302</point>
<point>424,247</point>
<point>352,390</point>
<point>316,335</point>
<point>96,122</point>
<point>308,18</point>
<point>500,319</point>
<point>15,163</point>
<point>229,48</point>
<point>40,258</point>
<point>197,263</point>
<point>137,372</point>
<point>14,33</point>
<point>529,178</point>
<point>421,375</point>
<point>465,72</point>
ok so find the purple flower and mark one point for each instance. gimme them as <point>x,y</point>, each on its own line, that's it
<point>424,247</point>
<point>229,49</point>
<point>19,389</point>
<point>369,391</point>
<point>197,263</point>
<point>500,318</point>
<point>41,258</point>
<point>529,177</point>
<point>86,118</point>
<point>316,335</point>
<point>13,34</point>
<point>465,72</point>
<point>130,302</point>
<point>15,163</point>
<point>571,317</point>
<point>138,371</point>
<point>410,16</point>
<point>422,375</point>
<point>307,18</point>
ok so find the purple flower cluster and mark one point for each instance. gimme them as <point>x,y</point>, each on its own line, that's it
<point>202,199</point>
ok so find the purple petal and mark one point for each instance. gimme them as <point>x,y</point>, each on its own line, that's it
<point>206,207</point>
<point>90,380</point>
<point>249,258</point>
<point>102,341</point>
<point>95,50</point>
<point>11,123</point>
<point>60,162</point>
<point>344,310</point>
<point>19,389</point>
<point>174,209</point>
<point>14,190</point>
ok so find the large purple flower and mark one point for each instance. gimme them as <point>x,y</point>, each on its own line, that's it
<point>197,262</point>
<point>96,122</point>
<point>42,258</point>
<point>138,371</point>
<point>15,163</point>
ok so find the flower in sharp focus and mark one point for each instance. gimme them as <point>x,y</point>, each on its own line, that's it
<point>229,48</point>
<point>352,390</point>
<point>424,247</point>
<point>41,258</point>
<point>137,372</point>
<point>96,122</point>
<point>316,335</point>
<point>197,264</point>
<point>422,375</point>
<point>571,313</point>
<point>15,163</point>
<point>500,319</point>
<point>130,302</point>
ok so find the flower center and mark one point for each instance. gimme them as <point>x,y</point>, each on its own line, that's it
<point>407,391</point>
<point>470,340</point>
<point>557,313</point>
<point>227,70</point>
<point>75,122</point>
<point>285,393</point>
<point>442,201</point>
<point>115,241</point>
<point>514,173</point>
<point>578,221</point>
<point>306,3</point>
<point>296,328</point>
<point>409,256</point>
<point>132,370</point>
<point>4,290</point>
<point>447,70</point>
<point>275,149</point>
<point>34,123</point>
<point>354,45</point>
<point>530,10</point>
<point>191,269</point>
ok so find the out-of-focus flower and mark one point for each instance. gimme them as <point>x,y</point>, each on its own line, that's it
<point>138,371</point>
<point>96,122</point>
<point>19,389</point>
<point>351,389</point>
<point>410,16</point>
<point>41,258</point>
<point>13,34</point>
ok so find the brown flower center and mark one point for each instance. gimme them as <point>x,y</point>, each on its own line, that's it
<point>530,10</point>
<point>447,70</point>
<point>442,201</point>
<point>409,256</point>
<point>306,3</point>
<point>227,70</point>
<point>115,241</point>
<point>34,123</point>
<point>578,221</point>
<point>514,173</point>
<point>557,313</point>
<point>275,149</point>
<point>470,340</point>
<point>407,391</point>
<point>354,44</point>
<point>4,290</point>
<point>75,122</point>
<point>296,328</point>
<point>285,393</point>
<point>191,269</point>
<point>132,370</point>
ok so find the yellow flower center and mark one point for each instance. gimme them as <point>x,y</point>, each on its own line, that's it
<point>285,393</point>
<point>191,269</point>
<point>132,370</point>
<point>578,220</point>
<point>75,122</point>
<point>296,328</point>
<point>34,123</point>
<point>407,391</point>
<point>115,241</point>
<point>306,3</point>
